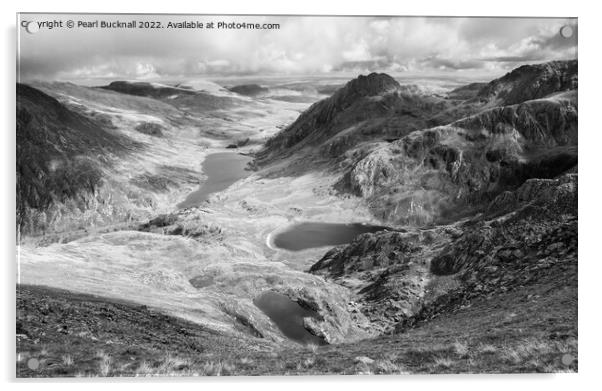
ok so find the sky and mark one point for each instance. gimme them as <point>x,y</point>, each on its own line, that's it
<point>303,45</point>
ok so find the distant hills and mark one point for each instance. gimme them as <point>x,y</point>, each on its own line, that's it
<point>249,89</point>
<point>152,90</point>
<point>181,96</point>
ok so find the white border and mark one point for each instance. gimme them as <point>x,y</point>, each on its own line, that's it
<point>590,73</point>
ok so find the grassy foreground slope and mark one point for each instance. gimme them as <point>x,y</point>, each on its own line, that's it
<point>529,329</point>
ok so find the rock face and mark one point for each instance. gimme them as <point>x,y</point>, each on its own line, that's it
<point>60,156</point>
<point>535,210</point>
<point>386,272</point>
<point>150,129</point>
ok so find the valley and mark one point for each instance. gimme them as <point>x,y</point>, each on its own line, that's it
<point>317,225</point>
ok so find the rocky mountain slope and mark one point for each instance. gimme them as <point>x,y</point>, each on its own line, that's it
<point>531,82</point>
<point>60,156</point>
<point>366,109</point>
<point>522,238</point>
<point>382,140</point>
<point>427,175</point>
<point>335,132</point>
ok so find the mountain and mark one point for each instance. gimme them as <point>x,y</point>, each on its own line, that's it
<point>488,204</point>
<point>60,155</point>
<point>368,108</point>
<point>431,174</point>
<point>419,158</point>
<point>377,108</point>
<point>531,82</point>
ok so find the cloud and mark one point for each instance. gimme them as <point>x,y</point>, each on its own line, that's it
<point>547,44</point>
<point>302,45</point>
<point>451,63</point>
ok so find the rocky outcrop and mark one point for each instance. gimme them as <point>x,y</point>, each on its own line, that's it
<point>547,122</point>
<point>531,210</point>
<point>151,129</point>
<point>187,223</point>
<point>526,236</point>
<point>388,272</point>
<point>534,243</point>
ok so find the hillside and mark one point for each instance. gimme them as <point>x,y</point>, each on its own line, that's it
<point>531,82</point>
<point>184,97</point>
<point>60,156</point>
<point>367,109</point>
<point>426,175</point>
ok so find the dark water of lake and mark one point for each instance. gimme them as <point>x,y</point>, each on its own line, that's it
<point>309,235</point>
<point>222,170</point>
<point>288,316</point>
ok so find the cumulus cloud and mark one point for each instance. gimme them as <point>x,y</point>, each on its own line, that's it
<point>302,45</point>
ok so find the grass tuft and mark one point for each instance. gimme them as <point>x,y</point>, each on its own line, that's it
<point>67,360</point>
